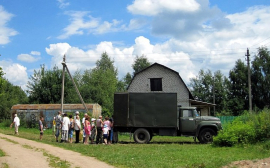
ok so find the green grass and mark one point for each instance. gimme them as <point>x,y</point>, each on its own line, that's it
<point>4,165</point>
<point>161,152</point>
<point>2,153</point>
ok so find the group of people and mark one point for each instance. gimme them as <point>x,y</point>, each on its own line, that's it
<point>92,129</point>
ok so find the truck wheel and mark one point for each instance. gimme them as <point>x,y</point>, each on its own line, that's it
<point>141,135</point>
<point>206,135</point>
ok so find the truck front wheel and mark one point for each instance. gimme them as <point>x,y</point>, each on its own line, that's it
<point>206,135</point>
<point>141,135</point>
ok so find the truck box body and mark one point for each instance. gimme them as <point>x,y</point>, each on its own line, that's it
<point>145,110</point>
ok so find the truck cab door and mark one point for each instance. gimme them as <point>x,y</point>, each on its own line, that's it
<point>187,121</point>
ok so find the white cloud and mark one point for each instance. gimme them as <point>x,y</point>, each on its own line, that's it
<point>27,58</point>
<point>78,24</point>
<point>155,7</point>
<point>15,73</point>
<point>5,31</point>
<point>63,4</point>
<point>35,52</point>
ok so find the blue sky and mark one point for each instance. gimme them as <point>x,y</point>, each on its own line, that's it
<point>185,35</point>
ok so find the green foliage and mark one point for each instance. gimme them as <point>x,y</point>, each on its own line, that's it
<point>203,85</point>
<point>245,129</point>
<point>9,96</point>
<point>140,63</point>
<point>260,78</point>
<point>45,87</point>
<point>238,89</point>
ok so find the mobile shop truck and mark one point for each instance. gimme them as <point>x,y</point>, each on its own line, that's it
<point>149,114</point>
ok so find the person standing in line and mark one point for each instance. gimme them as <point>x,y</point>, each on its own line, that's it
<point>77,127</point>
<point>108,123</point>
<point>71,128</point>
<point>41,127</point>
<point>16,123</point>
<point>93,130</point>
<point>105,133</point>
<point>111,133</point>
<point>58,121</point>
<point>83,120</point>
<point>87,129</point>
<point>65,126</point>
<point>99,124</point>
<point>54,124</point>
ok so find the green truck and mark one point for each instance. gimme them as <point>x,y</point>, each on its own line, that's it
<point>149,114</point>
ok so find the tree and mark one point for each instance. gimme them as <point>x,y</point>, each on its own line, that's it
<point>203,85</point>
<point>260,78</point>
<point>140,63</point>
<point>102,83</point>
<point>238,89</point>
<point>10,95</point>
<point>45,86</point>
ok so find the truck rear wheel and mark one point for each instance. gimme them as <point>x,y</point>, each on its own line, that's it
<point>206,135</point>
<point>141,135</point>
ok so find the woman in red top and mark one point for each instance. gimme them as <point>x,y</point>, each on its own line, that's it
<point>87,129</point>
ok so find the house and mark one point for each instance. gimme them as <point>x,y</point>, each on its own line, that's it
<point>159,78</point>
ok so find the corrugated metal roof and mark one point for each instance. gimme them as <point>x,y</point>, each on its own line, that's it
<point>51,106</point>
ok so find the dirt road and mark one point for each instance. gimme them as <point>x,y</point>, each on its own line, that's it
<point>21,153</point>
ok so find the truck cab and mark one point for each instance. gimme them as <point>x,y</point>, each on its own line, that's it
<point>192,124</point>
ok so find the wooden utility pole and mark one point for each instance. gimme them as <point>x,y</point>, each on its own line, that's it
<point>249,82</point>
<point>63,84</point>
<point>74,84</point>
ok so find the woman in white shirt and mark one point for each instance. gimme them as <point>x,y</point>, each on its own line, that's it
<point>77,128</point>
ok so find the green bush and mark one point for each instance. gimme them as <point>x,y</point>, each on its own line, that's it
<point>246,129</point>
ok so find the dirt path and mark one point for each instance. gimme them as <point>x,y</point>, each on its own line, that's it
<point>23,153</point>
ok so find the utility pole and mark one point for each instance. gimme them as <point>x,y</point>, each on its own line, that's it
<point>249,82</point>
<point>63,84</point>
<point>74,84</point>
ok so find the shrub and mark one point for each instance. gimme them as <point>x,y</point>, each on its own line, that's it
<point>246,129</point>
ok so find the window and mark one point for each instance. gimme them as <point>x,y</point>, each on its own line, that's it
<point>156,84</point>
<point>187,113</point>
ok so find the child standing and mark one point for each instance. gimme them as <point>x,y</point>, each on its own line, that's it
<point>105,134</point>
<point>41,128</point>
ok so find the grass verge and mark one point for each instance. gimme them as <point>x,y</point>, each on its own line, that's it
<point>161,152</point>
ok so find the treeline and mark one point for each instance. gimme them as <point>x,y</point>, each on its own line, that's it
<point>231,93</point>
<point>99,84</point>
<point>96,85</point>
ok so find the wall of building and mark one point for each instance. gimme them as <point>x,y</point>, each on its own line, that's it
<point>31,113</point>
<point>171,83</point>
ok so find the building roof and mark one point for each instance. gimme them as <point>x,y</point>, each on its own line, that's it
<point>51,106</point>
<point>200,103</point>
<point>157,64</point>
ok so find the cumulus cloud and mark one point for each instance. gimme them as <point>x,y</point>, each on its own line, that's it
<point>32,57</point>
<point>155,7</point>
<point>5,31</point>
<point>15,73</point>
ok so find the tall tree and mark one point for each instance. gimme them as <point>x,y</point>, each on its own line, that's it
<point>140,63</point>
<point>260,78</point>
<point>203,86</point>
<point>45,86</point>
<point>103,83</point>
<point>10,95</point>
<point>238,89</point>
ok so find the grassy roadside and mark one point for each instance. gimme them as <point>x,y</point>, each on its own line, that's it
<point>161,152</point>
